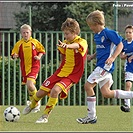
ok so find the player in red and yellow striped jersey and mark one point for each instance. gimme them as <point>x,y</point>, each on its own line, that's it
<point>73,51</point>
<point>30,51</point>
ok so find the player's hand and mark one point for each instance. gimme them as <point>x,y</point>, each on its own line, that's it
<point>89,57</point>
<point>123,56</point>
<point>15,56</point>
<point>130,59</point>
<point>109,61</point>
<point>36,57</point>
<point>61,44</point>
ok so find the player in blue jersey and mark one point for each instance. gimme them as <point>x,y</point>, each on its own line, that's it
<point>127,55</point>
<point>108,46</point>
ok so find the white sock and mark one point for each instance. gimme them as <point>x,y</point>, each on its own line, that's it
<point>91,101</point>
<point>127,102</point>
<point>121,94</point>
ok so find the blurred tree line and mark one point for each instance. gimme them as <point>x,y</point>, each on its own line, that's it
<point>49,16</point>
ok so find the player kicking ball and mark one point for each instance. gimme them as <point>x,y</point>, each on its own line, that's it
<point>73,51</point>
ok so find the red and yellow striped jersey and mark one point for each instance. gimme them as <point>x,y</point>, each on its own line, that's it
<point>73,64</point>
<point>26,51</point>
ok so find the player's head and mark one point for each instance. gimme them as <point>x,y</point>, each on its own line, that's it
<point>129,32</point>
<point>26,31</point>
<point>70,28</point>
<point>94,19</point>
<point>129,27</point>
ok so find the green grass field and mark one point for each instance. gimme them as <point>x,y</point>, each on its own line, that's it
<point>63,118</point>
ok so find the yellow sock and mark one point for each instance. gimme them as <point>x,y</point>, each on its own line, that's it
<point>31,93</point>
<point>35,100</point>
<point>50,105</point>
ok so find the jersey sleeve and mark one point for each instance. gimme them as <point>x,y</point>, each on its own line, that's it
<point>83,46</point>
<point>114,36</point>
<point>15,49</point>
<point>40,48</point>
<point>61,50</point>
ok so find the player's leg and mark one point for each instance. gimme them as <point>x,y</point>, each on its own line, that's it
<point>126,106</point>
<point>128,86</point>
<point>53,99</point>
<point>91,105</point>
<point>32,90</point>
<point>35,99</point>
<point>31,87</point>
<point>30,83</point>
<point>92,81</point>
<point>118,94</point>
<point>44,90</point>
<point>98,76</point>
<point>61,88</point>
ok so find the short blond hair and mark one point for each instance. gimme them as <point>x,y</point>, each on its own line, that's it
<point>72,25</point>
<point>25,26</point>
<point>96,17</point>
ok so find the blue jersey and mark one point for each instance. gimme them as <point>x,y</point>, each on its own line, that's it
<point>106,42</point>
<point>128,49</point>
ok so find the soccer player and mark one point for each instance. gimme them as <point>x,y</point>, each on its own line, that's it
<point>127,55</point>
<point>73,51</point>
<point>29,51</point>
<point>108,46</point>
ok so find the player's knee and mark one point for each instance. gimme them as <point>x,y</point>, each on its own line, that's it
<point>128,86</point>
<point>88,88</point>
<point>55,91</point>
<point>106,95</point>
<point>30,87</point>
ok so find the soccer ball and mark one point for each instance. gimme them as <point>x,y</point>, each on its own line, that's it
<point>11,114</point>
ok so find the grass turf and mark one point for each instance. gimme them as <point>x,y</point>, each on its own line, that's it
<point>63,118</point>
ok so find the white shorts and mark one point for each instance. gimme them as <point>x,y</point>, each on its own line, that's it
<point>128,76</point>
<point>100,76</point>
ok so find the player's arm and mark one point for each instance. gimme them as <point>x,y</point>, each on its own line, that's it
<point>40,48</point>
<point>38,57</point>
<point>15,50</point>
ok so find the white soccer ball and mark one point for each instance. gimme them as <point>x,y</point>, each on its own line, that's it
<point>11,114</point>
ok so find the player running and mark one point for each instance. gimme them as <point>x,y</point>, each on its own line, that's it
<point>108,46</point>
<point>127,54</point>
<point>29,51</point>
